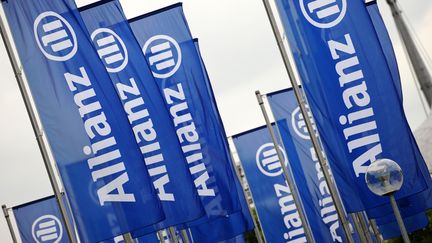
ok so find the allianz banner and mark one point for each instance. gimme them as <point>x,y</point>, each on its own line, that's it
<point>100,163</point>
<point>167,43</point>
<point>306,170</point>
<point>353,89</point>
<point>40,221</point>
<point>226,227</point>
<point>144,104</point>
<point>277,212</point>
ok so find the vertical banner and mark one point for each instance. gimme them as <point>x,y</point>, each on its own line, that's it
<point>306,170</point>
<point>226,227</point>
<point>421,201</point>
<point>40,221</point>
<point>167,43</point>
<point>100,163</point>
<point>144,104</point>
<point>350,84</point>
<point>274,203</point>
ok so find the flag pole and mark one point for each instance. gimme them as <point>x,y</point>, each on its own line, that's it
<point>161,237</point>
<point>418,64</point>
<point>173,235</point>
<point>376,231</point>
<point>36,129</point>
<point>190,233</point>
<point>185,236</point>
<point>359,228</point>
<point>364,225</point>
<point>314,139</point>
<point>296,198</point>
<point>256,230</point>
<point>128,238</point>
<point>9,223</point>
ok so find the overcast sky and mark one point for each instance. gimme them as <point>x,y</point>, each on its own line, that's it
<point>241,56</point>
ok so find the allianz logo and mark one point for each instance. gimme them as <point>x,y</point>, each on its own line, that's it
<point>163,54</point>
<point>47,229</point>
<point>324,13</point>
<point>55,36</point>
<point>268,161</point>
<point>111,49</point>
<point>298,123</point>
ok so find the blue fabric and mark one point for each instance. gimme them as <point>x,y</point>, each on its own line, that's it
<point>148,117</point>
<point>227,227</point>
<point>354,94</point>
<point>412,223</point>
<point>39,220</point>
<point>168,46</point>
<point>307,171</point>
<point>224,227</point>
<point>94,147</point>
<point>421,201</point>
<point>150,238</point>
<point>237,239</point>
<point>273,200</point>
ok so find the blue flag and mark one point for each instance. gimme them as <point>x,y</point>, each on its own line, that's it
<point>225,227</point>
<point>40,221</point>
<point>408,207</point>
<point>100,163</point>
<point>150,238</point>
<point>421,201</point>
<point>237,239</point>
<point>351,86</point>
<point>274,202</point>
<point>144,104</point>
<point>168,46</point>
<point>307,172</point>
<point>412,223</point>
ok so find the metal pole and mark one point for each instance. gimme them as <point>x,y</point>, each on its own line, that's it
<point>399,219</point>
<point>128,238</point>
<point>376,231</point>
<point>314,139</point>
<point>256,229</point>
<point>256,223</point>
<point>9,223</point>
<point>308,232</point>
<point>37,131</point>
<point>420,68</point>
<point>364,225</point>
<point>190,233</point>
<point>185,236</point>
<point>173,235</point>
<point>358,228</point>
<point>161,237</point>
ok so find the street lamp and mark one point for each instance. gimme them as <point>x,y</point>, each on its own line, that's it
<point>384,177</point>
